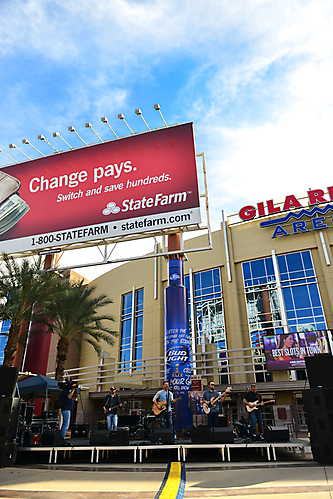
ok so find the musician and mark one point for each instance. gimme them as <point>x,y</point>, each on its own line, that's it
<point>164,395</point>
<point>213,415</point>
<point>67,397</point>
<point>110,406</point>
<point>250,397</point>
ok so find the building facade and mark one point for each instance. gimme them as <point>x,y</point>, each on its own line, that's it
<point>257,282</point>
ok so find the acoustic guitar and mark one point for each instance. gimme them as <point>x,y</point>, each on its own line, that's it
<point>163,406</point>
<point>208,405</point>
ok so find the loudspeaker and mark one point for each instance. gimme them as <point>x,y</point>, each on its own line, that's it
<point>6,455</point>
<point>109,437</point>
<point>318,400</point>
<point>8,378</point>
<point>162,435</point>
<point>223,421</point>
<point>201,435</point>
<point>80,431</point>
<point>221,436</point>
<point>277,434</point>
<point>119,437</point>
<point>52,439</point>
<point>320,371</point>
<point>9,418</point>
<point>10,408</point>
<point>322,450</point>
<point>100,437</point>
<point>320,425</point>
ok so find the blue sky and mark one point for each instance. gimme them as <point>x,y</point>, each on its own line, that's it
<point>255,77</point>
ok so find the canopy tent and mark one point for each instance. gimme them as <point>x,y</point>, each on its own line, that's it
<point>38,387</point>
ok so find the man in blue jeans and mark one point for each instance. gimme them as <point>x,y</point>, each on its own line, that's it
<point>67,397</point>
<point>164,398</point>
<point>110,406</point>
<point>254,403</point>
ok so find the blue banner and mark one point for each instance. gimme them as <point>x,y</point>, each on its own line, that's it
<point>178,344</point>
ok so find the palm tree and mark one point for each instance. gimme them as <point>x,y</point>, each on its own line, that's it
<point>23,285</point>
<point>73,316</point>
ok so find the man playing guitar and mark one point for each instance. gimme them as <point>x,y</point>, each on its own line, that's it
<point>251,399</point>
<point>213,414</point>
<point>166,397</point>
<point>110,405</point>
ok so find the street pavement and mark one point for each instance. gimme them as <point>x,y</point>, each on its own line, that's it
<point>299,478</point>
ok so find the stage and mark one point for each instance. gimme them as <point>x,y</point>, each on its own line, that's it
<point>140,451</point>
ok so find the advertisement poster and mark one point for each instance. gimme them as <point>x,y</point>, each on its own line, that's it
<point>142,183</point>
<point>288,351</point>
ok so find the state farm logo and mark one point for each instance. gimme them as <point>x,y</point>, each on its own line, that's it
<point>111,208</point>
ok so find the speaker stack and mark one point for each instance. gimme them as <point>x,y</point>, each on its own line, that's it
<point>318,405</point>
<point>205,435</point>
<point>9,414</point>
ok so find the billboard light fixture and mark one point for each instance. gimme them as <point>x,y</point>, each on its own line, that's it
<point>105,120</point>
<point>13,146</point>
<point>157,107</point>
<point>26,141</point>
<point>3,152</point>
<point>89,125</point>
<point>138,112</point>
<point>57,134</point>
<point>41,137</point>
<point>122,117</point>
<point>72,129</point>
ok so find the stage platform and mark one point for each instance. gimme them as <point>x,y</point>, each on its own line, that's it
<point>142,449</point>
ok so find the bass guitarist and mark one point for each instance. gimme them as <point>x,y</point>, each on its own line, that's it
<point>254,399</point>
<point>213,415</point>
<point>110,406</point>
<point>163,400</point>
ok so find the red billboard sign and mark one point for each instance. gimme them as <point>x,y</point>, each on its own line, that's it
<point>142,183</point>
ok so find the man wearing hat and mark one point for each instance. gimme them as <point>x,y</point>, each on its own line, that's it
<point>110,406</point>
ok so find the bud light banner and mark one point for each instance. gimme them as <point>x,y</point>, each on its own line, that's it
<point>177,344</point>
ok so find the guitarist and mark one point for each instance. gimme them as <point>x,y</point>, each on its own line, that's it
<point>110,405</point>
<point>213,415</point>
<point>251,397</point>
<point>164,395</point>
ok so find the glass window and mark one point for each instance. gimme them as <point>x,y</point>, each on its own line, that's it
<point>131,347</point>
<point>208,307</point>
<point>300,291</point>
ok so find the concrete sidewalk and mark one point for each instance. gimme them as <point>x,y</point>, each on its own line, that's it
<point>297,479</point>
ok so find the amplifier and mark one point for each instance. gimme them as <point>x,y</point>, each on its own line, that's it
<point>80,431</point>
<point>277,434</point>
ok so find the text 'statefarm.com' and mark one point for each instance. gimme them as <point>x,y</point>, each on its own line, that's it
<point>108,230</point>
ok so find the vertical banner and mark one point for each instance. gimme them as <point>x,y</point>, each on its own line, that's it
<point>177,344</point>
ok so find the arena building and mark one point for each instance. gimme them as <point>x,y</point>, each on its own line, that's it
<point>267,278</point>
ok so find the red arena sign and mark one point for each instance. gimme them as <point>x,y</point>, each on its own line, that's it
<point>131,185</point>
<point>316,196</point>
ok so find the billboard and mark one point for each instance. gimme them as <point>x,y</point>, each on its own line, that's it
<point>288,351</point>
<point>146,182</point>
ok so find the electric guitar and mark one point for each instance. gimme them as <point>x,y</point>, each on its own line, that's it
<point>163,406</point>
<point>254,405</point>
<point>208,405</point>
<point>110,409</point>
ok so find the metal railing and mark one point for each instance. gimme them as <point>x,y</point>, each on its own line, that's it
<point>229,365</point>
